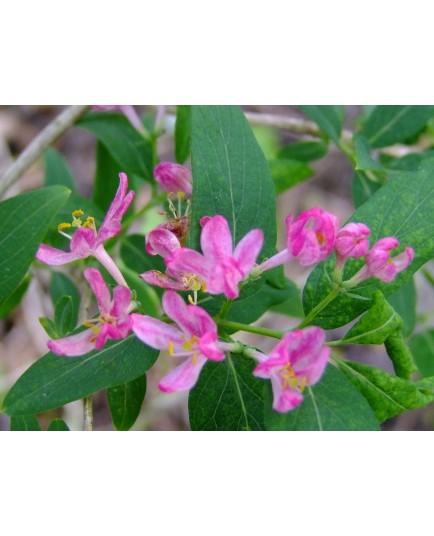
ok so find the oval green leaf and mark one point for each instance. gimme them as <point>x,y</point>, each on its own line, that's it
<point>125,402</point>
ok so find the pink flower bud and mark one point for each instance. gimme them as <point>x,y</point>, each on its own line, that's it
<point>173,178</point>
<point>311,236</point>
<point>351,242</point>
<point>381,265</point>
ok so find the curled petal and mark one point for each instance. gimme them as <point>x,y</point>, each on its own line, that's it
<point>161,242</point>
<point>83,243</point>
<point>158,279</point>
<point>183,377</point>
<point>111,226</point>
<point>121,302</point>
<point>100,289</point>
<point>192,320</point>
<point>284,400</point>
<point>174,178</point>
<point>155,333</point>
<point>402,260</point>
<point>55,257</point>
<point>78,344</point>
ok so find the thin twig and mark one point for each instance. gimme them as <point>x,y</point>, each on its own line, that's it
<point>88,414</point>
<point>43,140</point>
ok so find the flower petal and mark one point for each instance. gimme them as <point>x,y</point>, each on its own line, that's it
<point>78,344</point>
<point>184,376</point>
<point>111,226</point>
<point>121,302</point>
<point>53,256</point>
<point>158,279</point>
<point>209,347</point>
<point>248,249</point>
<point>83,243</point>
<point>100,289</point>
<point>284,400</point>
<point>155,333</point>
<point>191,319</point>
<point>189,261</point>
<point>216,239</point>
<point>161,242</point>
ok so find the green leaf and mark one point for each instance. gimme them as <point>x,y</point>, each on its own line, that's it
<point>376,325</point>
<point>24,220</point>
<point>15,298</point>
<point>422,348</point>
<point>61,285</point>
<point>304,151</point>
<point>54,381</point>
<point>332,404</point>
<point>230,175</point>
<point>25,423</point>
<point>227,397</point>
<point>292,306</point>
<point>404,303</point>
<point>409,162</point>
<point>125,402</point>
<point>106,180</point>
<point>400,355</point>
<point>387,125</point>
<point>49,327</point>
<point>63,316</point>
<point>362,188</point>
<point>387,395</point>
<point>364,160</point>
<point>403,208</point>
<point>328,118</point>
<point>287,173</point>
<point>182,133</point>
<point>57,170</point>
<point>132,152</point>
<point>57,425</point>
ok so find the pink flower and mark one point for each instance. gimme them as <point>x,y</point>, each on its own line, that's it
<point>194,337</point>
<point>380,264</point>
<point>163,242</point>
<point>113,321</point>
<point>220,267</point>
<point>351,242</point>
<point>174,178</point>
<point>299,359</point>
<point>87,241</point>
<point>310,238</point>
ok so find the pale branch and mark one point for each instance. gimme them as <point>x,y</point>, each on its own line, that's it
<point>42,141</point>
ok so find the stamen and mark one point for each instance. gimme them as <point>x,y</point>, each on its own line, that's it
<point>77,213</point>
<point>189,344</point>
<point>191,300</point>
<point>303,383</point>
<point>194,360</point>
<point>321,238</point>
<point>62,226</point>
<point>171,348</point>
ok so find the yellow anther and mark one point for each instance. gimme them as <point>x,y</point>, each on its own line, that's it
<point>303,383</point>
<point>204,287</point>
<point>171,348</point>
<point>77,213</point>
<point>321,238</point>
<point>188,345</point>
<point>180,195</point>
<point>191,300</point>
<point>194,360</point>
<point>88,324</point>
<point>76,222</point>
<point>62,226</point>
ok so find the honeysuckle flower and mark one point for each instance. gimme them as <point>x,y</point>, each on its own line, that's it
<point>297,361</point>
<point>380,264</point>
<point>113,322</point>
<point>125,109</point>
<point>194,337</point>
<point>174,178</point>
<point>163,242</point>
<point>220,266</point>
<point>86,240</point>
<point>310,238</point>
<point>351,242</point>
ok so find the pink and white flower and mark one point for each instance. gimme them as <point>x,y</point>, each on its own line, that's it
<point>87,241</point>
<point>194,337</point>
<point>220,266</point>
<point>380,264</point>
<point>297,361</point>
<point>310,238</point>
<point>351,242</point>
<point>113,322</point>
<point>126,109</point>
<point>174,178</point>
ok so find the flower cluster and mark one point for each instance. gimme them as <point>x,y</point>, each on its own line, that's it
<point>222,267</point>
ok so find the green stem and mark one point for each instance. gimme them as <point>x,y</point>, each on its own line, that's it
<point>250,329</point>
<point>322,305</point>
<point>225,309</point>
<point>428,276</point>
